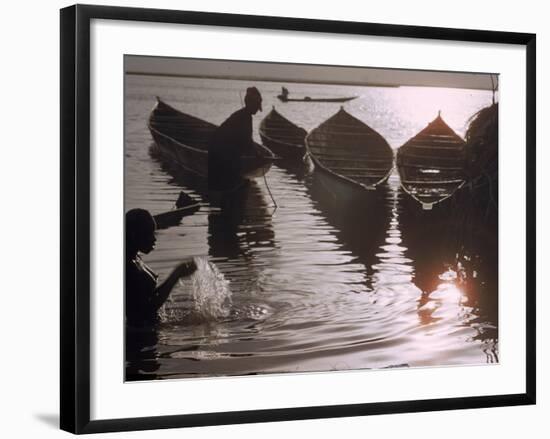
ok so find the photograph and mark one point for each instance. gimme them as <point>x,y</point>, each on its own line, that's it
<point>298,218</point>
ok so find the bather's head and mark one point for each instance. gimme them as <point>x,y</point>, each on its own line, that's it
<point>140,232</point>
<point>253,100</point>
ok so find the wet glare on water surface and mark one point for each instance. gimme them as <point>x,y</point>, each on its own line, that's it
<point>308,286</point>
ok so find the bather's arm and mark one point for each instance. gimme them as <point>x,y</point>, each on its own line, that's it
<point>162,292</point>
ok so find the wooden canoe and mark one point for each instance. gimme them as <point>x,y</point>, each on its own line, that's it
<point>185,139</point>
<point>348,155</point>
<point>284,138</point>
<point>431,164</point>
<point>282,98</point>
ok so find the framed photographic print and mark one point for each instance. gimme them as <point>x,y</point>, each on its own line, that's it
<point>292,219</point>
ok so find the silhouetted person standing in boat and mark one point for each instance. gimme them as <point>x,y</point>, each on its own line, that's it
<point>143,296</point>
<point>230,142</point>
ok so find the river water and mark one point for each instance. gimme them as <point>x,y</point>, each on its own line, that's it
<point>304,287</point>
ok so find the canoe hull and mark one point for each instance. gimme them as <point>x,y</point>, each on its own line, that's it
<point>341,192</point>
<point>431,166</point>
<point>170,130</point>
<point>349,158</point>
<point>283,137</point>
<point>187,158</point>
<point>287,152</point>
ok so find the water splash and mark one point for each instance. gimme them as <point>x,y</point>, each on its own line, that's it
<point>203,297</point>
<point>210,293</point>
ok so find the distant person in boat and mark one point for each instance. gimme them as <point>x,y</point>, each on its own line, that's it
<point>231,141</point>
<point>284,94</point>
<point>144,296</point>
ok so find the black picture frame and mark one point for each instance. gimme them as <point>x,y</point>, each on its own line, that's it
<point>75,217</point>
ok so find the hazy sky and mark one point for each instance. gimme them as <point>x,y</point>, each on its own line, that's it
<point>281,72</point>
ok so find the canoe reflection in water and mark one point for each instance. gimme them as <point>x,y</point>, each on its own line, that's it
<point>360,228</point>
<point>241,223</point>
<point>456,270</point>
<point>449,279</point>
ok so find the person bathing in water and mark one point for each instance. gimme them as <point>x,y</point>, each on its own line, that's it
<point>232,140</point>
<point>144,296</point>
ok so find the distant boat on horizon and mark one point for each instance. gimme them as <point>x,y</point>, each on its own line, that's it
<point>283,97</point>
